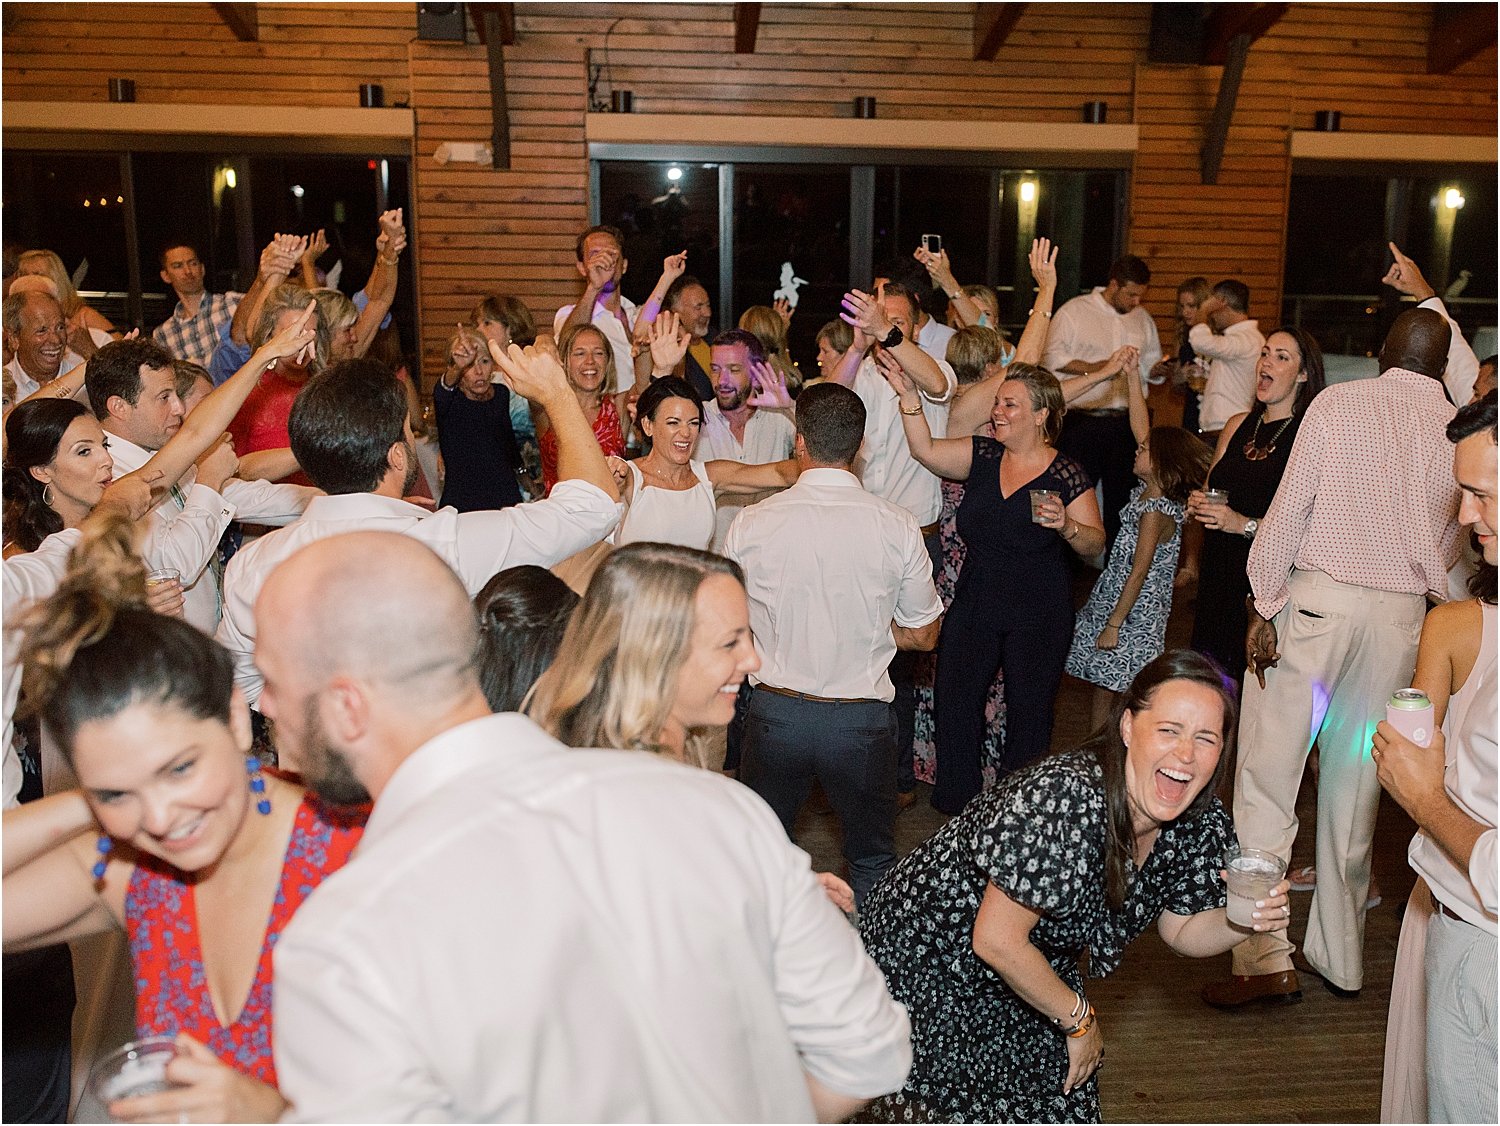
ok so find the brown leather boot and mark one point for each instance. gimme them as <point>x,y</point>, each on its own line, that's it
<point>1239,990</point>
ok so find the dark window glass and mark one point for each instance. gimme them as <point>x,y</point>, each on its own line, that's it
<point>797,214</point>
<point>186,197</point>
<point>663,208</point>
<point>954,203</point>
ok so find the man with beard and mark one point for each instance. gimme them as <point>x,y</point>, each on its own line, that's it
<point>733,429</point>
<point>689,300</point>
<point>522,935</point>
<point>350,432</point>
<point>1096,338</point>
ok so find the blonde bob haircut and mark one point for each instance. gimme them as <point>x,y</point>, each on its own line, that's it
<point>565,346</point>
<point>45,263</point>
<point>614,680</point>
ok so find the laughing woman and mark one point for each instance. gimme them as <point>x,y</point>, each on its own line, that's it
<point>979,931</point>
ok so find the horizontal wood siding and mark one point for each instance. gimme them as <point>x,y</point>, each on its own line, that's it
<point>480,230</point>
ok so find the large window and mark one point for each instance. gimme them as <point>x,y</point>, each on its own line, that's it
<point>108,215</point>
<point>837,222</point>
<point>1337,230</point>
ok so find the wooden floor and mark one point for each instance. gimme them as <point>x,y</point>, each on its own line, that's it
<point>1173,1059</point>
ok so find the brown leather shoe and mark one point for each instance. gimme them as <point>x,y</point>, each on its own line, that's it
<point>1239,990</point>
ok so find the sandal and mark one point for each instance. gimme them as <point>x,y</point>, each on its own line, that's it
<point>1306,879</point>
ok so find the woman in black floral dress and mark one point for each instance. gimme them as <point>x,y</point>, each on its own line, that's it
<point>1079,853</point>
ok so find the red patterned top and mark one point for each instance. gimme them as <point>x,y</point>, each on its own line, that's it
<point>161,920</point>
<point>607,430</point>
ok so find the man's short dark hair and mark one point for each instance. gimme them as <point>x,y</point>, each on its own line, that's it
<point>173,244</point>
<point>677,288</point>
<point>600,229</point>
<point>744,338</point>
<point>1234,293</point>
<point>913,298</point>
<point>344,423</point>
<point>1129,269</point>
<point>1473,418</point>
<point>1488,361</point>
<point>116,370</point>
<point>831,420</point>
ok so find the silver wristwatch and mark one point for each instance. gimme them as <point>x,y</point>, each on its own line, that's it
<point>1251,527</point>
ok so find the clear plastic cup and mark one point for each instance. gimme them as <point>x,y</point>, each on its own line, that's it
<point>1038,498</point>
<point>163,575</point>
<point>137,1068</point>
<point>1252,873</point>
<point>1216,496</point>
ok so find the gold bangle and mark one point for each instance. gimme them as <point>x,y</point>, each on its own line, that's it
<point>914,411</point>
<point>1033,311</point>
<point>392,260</point>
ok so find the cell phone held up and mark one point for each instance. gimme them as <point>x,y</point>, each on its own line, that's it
<point>933,244</point>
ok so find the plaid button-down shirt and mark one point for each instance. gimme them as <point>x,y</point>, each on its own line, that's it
<point>194,338</point>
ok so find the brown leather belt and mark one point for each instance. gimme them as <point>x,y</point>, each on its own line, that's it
<point>1443,909</point>
<point>789,694</point>
<point>930,529</point>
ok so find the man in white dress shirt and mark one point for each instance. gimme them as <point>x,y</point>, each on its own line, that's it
<point>733,430</point>
<point>1093,341</point>
<point>350,433</point>
<point>532,933</point>
<point>839,579</point>
<point>37,332</point>
<point>132,390</point>
<point>601,261</point>
<point>1224,335</point>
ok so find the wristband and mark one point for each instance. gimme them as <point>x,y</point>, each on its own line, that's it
<point>1033,311</point>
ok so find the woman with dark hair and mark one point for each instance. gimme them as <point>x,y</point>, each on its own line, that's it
<point>979,931</point>
<point>1251,457</point>
<point>57,466</point>
<point>522,614</point>
<point>669,494</point>
<point>176,836</point>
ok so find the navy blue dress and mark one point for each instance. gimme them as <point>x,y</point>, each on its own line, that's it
<point>1012,611</point>
<point>479,450</point>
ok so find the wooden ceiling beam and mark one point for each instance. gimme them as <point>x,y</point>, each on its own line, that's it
<point>504,16</point>
<point>746,25</point>
<point>1459,32</point>
<point>993,24</point>
<point>241,19</point>
<point>1227,21</point>
<point>1212,154</point>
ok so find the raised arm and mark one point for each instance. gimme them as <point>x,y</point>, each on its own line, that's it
<point>50,895</point>
<point>537,376</point>
<point>964,307</point>
<point>947,457</point>
<point>1093,374</point>
<point>731,477</point>
<point>600,275</point>
<point>380,288</point>
<point>277,261</point>
<point>1140,414</point>
<point>867,313</point>
<point>1463,364</point>
<point>316,247</point>
<point>672,268</point>
<point>1033,342</point>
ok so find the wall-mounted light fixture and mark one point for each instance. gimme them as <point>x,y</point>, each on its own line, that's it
<point>1028,191</point>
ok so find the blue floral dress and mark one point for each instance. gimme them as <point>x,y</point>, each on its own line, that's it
<point>1144,633</point>
<point>981,1053</point>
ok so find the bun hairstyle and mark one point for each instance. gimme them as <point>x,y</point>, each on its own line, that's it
<point>33,433</point>
<point>93,648</point>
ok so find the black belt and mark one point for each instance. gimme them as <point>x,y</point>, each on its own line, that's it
<point>1443,909</point>
<point>1100,412</point>
<point>789,694</point>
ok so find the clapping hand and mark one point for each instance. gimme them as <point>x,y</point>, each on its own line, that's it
<point>669,344</point>
<point>866,313</point>
<point>768,388</point>
<point>1043,261</point>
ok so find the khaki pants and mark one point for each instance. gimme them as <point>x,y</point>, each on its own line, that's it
<point>1344,650</point>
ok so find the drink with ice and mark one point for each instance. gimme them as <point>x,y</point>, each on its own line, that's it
<point>1252,873</point>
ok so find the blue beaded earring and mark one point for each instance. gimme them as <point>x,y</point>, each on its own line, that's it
<point>105,845</point>
<point>258,785</point>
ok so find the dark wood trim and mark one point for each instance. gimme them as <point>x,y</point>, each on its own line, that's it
<point>1229,92</point>
<point>993,24</point>
<point>506,13</point>
<point>242,19</point>
<point>746,25</point>
<point>1459,32</point>
<point>494,44</point>
<point>1228,21</point>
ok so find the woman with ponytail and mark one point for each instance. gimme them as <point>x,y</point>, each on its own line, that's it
<point>177,836</point>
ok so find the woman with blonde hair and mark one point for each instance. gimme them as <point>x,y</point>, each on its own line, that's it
<point>653,659</point>
<point>770,329</point>
<point>44,263</point>
<point>588,358</point>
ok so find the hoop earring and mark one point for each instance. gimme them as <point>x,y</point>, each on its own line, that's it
<point>105,845</point>
<point>47,496</point>
<point>257,785</point>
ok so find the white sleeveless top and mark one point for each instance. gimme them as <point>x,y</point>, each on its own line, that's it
<point>658,515</point>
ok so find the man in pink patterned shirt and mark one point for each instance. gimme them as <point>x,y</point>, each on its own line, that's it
<point>1361,532</point>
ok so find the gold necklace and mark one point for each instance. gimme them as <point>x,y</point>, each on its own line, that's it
<point>1254,452</point>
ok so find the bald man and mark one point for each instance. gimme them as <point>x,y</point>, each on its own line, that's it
<point>1361,533</point>
<point>522,935</point>
<point>350,433</point>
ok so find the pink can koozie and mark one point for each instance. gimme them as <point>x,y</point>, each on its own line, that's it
<point>1409,711</point>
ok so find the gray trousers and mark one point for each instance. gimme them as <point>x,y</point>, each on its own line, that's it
<point>850,749</point>
<point>1460,1022</point>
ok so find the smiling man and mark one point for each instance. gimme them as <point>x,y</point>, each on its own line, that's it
<point>192,331</point>
<point>37,332</point>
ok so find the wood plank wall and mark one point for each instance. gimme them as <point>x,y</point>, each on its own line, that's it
<point>480,231</point>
